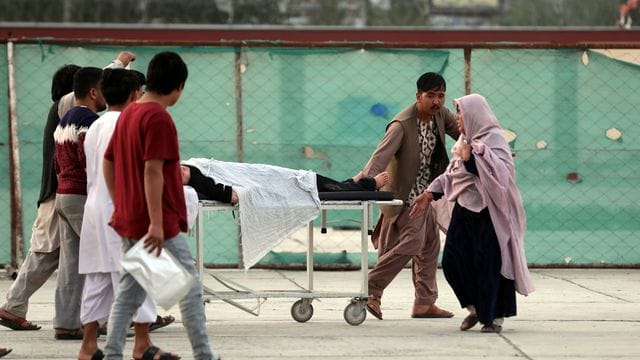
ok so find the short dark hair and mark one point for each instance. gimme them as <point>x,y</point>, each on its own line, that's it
<point>166,73</point>
<point>117,85</point>
<point>85,79</point>
<point>62,82</point>
<point>141,78</point>
<point>431,81</point>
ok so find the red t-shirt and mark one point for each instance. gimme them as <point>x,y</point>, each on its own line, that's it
<point>145,131</point>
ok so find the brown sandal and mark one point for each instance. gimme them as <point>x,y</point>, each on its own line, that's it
<point>434,312</point>
<point>491,328</point>
<point>373,306</point>
<point>470,321</point>
<point>14,322</point>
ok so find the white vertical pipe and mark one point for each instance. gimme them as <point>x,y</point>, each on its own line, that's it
<point>364,247</point>
<point>310,245</point>
<point>200,240</point>
<point>17,240</point>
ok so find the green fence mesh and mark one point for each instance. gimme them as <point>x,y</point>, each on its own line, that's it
<point>325,109</point>
<point>556,97</point>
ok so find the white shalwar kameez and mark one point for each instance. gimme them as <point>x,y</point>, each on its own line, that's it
<point>100,245</point>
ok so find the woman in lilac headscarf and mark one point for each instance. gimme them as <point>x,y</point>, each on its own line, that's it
<point>483,259</point>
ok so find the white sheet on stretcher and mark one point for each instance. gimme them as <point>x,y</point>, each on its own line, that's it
<point>191,200</point>
<point>274,202</point>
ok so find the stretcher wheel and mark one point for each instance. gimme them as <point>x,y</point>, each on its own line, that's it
<point>302,310</point>
<point>355,313</point>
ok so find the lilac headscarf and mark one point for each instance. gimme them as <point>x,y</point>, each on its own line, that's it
<point>494,187</point>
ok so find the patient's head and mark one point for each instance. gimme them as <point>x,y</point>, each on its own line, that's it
<point>185,171</point>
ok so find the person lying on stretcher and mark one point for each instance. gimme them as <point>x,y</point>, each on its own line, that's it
<point>208,189</point>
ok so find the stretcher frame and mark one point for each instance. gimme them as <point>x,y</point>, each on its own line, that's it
<point>302,310</point>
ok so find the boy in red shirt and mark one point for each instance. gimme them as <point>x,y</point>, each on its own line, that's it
<point>142,173</point>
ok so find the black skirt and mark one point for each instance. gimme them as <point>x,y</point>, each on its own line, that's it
<point>471,263</point>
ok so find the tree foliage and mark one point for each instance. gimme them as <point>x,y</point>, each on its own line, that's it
<point>278,12</point>
<point>328,13</point>
<point>560,13</point>
<point>400,13</point>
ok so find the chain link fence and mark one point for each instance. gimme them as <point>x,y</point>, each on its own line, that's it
<point>570,115</point>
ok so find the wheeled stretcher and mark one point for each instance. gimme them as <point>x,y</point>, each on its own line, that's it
<point>302,310</point>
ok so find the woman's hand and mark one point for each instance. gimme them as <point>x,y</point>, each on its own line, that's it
<point>234,198</point>
<point>420,205</point>
<point>465,150</point>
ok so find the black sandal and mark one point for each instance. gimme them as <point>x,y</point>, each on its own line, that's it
<point>69,335</point>
<point>4,351</point>
<point>151,352</point>
<point>98,355</point>
<point>161,322</point>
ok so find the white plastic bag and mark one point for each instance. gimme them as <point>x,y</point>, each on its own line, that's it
<point>162,277</point>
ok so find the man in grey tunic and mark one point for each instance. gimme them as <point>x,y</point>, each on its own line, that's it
<point>413,152</point>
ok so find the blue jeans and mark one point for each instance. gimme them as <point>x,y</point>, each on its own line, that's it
<point>131,295</point>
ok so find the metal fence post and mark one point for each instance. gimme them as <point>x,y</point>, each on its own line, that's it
<point>238,69</point>
<point>467,70</point>
<point>17,240</point>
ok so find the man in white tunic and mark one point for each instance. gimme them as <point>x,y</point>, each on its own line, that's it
<point>100,250</point>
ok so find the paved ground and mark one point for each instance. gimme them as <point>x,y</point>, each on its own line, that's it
<point>574,314</point>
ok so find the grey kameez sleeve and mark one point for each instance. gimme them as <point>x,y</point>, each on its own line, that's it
<point>382,155</point>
